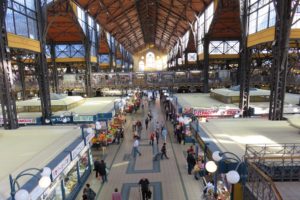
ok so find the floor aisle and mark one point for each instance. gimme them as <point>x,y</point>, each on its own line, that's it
<point>169,179</point>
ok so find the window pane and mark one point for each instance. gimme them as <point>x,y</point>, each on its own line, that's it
<point>10,21</point>
<point>22,2</point>
<point>262,18</point>
<point>252,23</point>
<point>272,15</point>
<point>30,4</point>
<point>21,24</point>
<point>32,28</point>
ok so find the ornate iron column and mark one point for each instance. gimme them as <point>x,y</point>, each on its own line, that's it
<point>245,62</point>
<point>7,99</point>
<point>206,65</point>
<point>21,70</point>
<point>42,68</point>
<point>284,17</point>
<point>88,70</point>
<point>54,69</point>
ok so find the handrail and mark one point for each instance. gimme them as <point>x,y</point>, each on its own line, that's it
<point>268,179</point>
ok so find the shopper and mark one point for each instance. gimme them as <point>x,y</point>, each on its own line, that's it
<point>116,195</point>
<point>102,171</point>
<point>146,122</point>
<point>136,146</point>
<point>97,167</point>
<point>164,151</point>
<point>144,184</point>
<point>157,136</point>
<point>191,161</point>
<point>88,193</point>
<point>152,136</point>
<point>164,134</point>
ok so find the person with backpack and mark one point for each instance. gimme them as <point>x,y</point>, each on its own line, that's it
<point>88,193</point>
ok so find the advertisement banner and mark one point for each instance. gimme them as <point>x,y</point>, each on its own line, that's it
<point>206,112</point>
<point>23,121</point>
<point>83,118</point>
<point>61,166</point>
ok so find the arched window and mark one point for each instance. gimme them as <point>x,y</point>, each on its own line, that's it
<point>150,60</point>
<point>141,65</point>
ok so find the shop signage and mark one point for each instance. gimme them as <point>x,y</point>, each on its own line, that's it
<point>77,150</point>
<point>61,120</point>
<point>104,116</point>
<point>23,121</point>
<point>187,110</point>
<point>83,118</point>
<point>89,137</point>
<point>215,112</point>
<point>61,166</point>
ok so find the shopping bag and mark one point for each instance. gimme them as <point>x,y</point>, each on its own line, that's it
<point>149,194</point>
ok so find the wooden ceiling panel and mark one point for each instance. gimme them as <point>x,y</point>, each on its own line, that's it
<point>142,22</point>
<point>63,24</point>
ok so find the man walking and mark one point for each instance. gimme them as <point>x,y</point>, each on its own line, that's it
<point>144,183</point>
<point>146,122</point>
<point>164,151</point>
<point>136,146</point>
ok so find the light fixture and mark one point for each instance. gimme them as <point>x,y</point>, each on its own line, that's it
<point>62,115</point>
<point>22,195</point>
<point>211,166</point>
<point>64,120</point>
<point>233,177</point>
<point>47,121</point>
<point>216,156</point>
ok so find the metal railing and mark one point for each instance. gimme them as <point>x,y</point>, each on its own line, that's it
<point>261,185</point>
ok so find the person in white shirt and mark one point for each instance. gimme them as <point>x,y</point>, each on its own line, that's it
<point>135,147</point>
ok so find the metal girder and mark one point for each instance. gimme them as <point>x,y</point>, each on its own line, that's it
<point>42,68</point>
<point>88,70</point>
<point>7,100</point>
<point>54,69</point>
<point>21,70</point>
<point>245,59</point>
<point>206,65</point>
<point>285,11</point>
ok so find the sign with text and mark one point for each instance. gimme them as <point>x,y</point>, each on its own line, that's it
<point>206,112</point>
<point>77,150</point>
<point>83,118</point>
<point>61,166</point>
<point>61,120</point>
<point>23,121</point>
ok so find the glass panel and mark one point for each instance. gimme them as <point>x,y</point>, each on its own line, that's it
<point>84,163</point>
<point>252,23</point>
<point>263,18</point>
<point>296,17</point>
<point>10,27</point>
<point>62,51</point>
<point>32,28</point>
<point>70,181</point>
<point>22,2</point>
<point>30,4</point>
<point>31,13</point>
<point>272,15</point>
<point>21,24</point>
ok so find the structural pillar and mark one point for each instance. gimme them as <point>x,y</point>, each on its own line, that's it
<point>245,63</point>
<point>280,56</point>
<point>7,99</point>
<point>42,68</point>
<point>88,70</point>
<point>54,69</point>
<point>21,71</point>
<point>206,65</point>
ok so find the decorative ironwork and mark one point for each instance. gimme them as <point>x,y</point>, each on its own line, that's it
<point>8,104</point>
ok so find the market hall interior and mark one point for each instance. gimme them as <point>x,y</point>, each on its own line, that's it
<point>78,79</point>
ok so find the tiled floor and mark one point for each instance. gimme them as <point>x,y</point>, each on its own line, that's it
<point>169,178</point>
